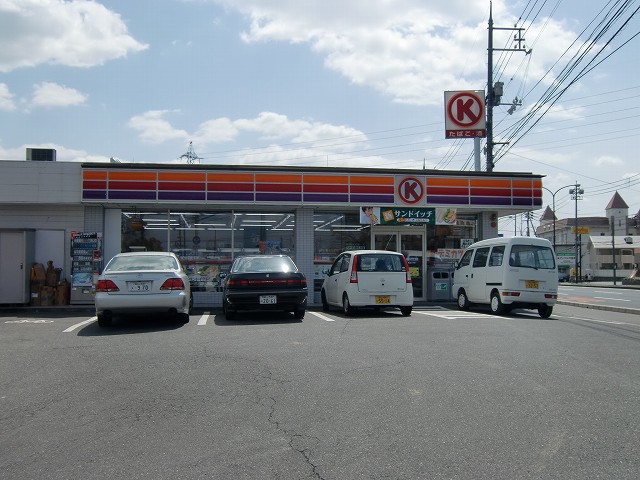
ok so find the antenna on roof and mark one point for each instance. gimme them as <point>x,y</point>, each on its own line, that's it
<point>190,155</point>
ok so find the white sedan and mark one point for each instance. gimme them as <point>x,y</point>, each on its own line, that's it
<point>143,282</point>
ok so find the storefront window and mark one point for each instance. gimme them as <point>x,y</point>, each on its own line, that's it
<point>446,243</point>
<point>144,231</point>
<point>335,232</point>
<point>207,242</point>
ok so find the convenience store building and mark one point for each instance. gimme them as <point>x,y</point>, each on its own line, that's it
<point>208,214</point>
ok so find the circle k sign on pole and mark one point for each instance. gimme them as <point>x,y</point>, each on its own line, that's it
<point>464,114</point>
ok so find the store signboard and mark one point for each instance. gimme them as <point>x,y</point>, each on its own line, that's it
<point>465,114</point>
<point>466,242</point>
<point>408,215</point>
<point>581,230</point>
<point>566,258</point>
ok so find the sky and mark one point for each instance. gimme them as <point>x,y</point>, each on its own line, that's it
<point>329,83</point>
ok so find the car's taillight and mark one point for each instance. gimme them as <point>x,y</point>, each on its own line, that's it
<point>173,284</point>
<point>406,267</point>
<point>354,270</point>
<point>106,286</point>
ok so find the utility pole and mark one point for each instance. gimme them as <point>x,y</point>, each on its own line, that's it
<point>494,92</point>
<point>190,155</point>
<point>613,246</point>
<point>576,194</point>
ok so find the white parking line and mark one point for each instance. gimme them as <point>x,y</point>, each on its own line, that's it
<point>608,292</point>
<point>81,324</point>
<point>456,314</point>
<point>204,318</point>
<point>322,317</point>
<point>616,299</point>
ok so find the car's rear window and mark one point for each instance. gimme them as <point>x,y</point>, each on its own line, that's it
<point>380,262</point>
<point>532,256</point>
<point>263,265</point>
<point>142,262</point>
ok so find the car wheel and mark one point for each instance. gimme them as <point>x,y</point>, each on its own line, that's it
<point>183,318</point>
<point>463,301</point>
<point>406,311</point>
<point>104,320</point>
<point>497,306</point>
<point>545,310</point>
<point>346,306</point>
<point>325,304</point>
<point>298,313</point>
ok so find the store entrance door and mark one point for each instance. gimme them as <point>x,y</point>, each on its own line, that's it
<point>412,246</point>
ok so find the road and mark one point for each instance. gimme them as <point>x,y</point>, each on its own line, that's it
<point>604,296</point>
<point>441,394</point>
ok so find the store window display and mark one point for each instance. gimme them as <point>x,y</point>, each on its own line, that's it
<point>207,242</point>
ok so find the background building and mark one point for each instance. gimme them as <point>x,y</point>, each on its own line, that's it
<point>602,242</point>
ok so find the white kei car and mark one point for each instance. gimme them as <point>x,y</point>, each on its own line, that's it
<point>368,278</point>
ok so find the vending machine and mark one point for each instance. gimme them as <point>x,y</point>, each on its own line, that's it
<point>86,264</point>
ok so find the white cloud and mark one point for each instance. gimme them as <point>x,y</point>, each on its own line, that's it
<point>6,98</point>
<point>81,33</point>
<point>49,94</point>
<point>409,50</point>
<point>607,161</point>
<point>154,128</point>
<point>215,131</point>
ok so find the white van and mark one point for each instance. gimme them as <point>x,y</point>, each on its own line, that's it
<point>508,273</point>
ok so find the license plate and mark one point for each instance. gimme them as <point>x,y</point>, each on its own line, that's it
<point>139,286</point>
<point>382,299</point>
<point>531,284</point>
<point>268,299</point>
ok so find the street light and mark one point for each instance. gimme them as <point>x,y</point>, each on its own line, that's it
<point>553,198</point>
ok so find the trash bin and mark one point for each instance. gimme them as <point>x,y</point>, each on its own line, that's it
<point>439,286</point>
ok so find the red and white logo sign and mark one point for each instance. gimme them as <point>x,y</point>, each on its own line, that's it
<point>464,114</point>
<point>410,190</point>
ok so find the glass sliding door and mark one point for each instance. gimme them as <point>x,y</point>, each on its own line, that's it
<point>386,241</point>
<point>412,246</point>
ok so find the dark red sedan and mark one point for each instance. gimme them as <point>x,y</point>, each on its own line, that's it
<point>264,283</point>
